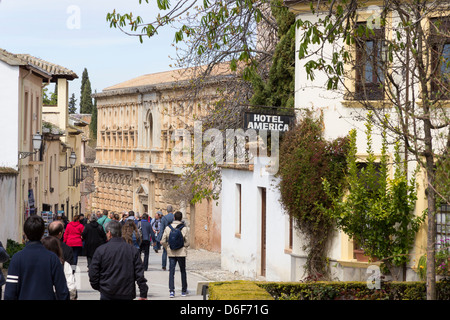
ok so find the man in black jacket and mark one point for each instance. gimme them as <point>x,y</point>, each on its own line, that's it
<point>56,229</point>
<point>35,273</point>
<point>116,266</point>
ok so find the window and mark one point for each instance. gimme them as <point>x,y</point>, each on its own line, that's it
<point>369,71</point>
<point>149,130</point>
<point>238,209</point>
<point>25,118</point>
<point>443,227</point>
<point>50,174</point>
<point>440,49</point>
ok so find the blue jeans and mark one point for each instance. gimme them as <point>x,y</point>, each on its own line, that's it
<point>145,248</point>
<point>164,258</point>
<point>76,253</point>
<point>182,264</point>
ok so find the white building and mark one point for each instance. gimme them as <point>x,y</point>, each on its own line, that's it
<point>259,242</point>
<point>22,164</point>
<point>255,230</point>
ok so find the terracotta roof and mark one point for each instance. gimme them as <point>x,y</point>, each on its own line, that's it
<point>52,68</point>
<point>172,76</point>
<point>11,59</point>
<point>8,171</point>
<point>56,71</point>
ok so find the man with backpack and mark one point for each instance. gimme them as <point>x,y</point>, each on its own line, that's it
<point>165,221</point>
<point>175,240</point>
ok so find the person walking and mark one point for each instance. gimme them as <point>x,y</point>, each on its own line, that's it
<point>165,221</point>
<point>56,229</point>
<point>4,257</point>
<point>53,244</point>
<point>131,216</point>
<point>93,236</point>
<point>130,233</point>
<point>104,219</point>
<point>72,237</point>
<point>147,235</point>
<point>83,220</point>
<point>124,218</point>
<point>155,222</point>
<point>176,253</point>
<point>35,273</point>
<point>111,257</point>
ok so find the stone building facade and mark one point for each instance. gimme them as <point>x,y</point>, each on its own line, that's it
<point>136,120</point>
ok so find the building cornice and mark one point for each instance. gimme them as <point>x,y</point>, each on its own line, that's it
<point>174,85</point>
<point>302,6</point>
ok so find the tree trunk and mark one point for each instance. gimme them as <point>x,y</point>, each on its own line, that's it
<point>431,234</point>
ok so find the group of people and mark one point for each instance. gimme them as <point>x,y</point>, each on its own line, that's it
<point>45,268</point>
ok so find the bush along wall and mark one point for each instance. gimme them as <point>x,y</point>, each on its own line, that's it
<point>354,290</point>
<point>237,290</point>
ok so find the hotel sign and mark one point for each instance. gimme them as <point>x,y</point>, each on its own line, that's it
<point>258,121</point>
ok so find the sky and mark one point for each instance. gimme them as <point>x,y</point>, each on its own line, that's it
<point>76,35</point>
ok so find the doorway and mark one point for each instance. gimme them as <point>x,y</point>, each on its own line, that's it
<point>262,192</point>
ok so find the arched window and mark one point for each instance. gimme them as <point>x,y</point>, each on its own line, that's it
<point>149,130</point>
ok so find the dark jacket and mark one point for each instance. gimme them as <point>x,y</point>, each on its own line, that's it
<point>115,269</point>
<point>67,252</point>
<point>4,257</point>
<point>165,221</point>
<point>94,236</point>
<point>33,273</point>
<point>147,230</point>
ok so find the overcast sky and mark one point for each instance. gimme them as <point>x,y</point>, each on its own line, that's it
<point>76,35</point>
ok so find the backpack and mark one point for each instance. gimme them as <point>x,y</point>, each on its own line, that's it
<point>176,239</point>
<point>140,231</point>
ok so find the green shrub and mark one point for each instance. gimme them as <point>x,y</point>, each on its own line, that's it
<point>12,247</point>
<point>354,291</point>
<point>237,290</point>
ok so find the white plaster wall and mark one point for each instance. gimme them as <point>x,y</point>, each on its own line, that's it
<point>9,110</point>
<point>9,220</point>
<point>338,119</point>
<point>243,255</point>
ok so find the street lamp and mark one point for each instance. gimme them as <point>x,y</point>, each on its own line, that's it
<point>37,143</point>
<point>84,172</point>
<point>72,160</point>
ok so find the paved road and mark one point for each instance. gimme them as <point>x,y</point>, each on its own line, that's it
<point>157,281</point>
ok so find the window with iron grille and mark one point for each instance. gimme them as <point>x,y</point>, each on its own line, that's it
<point>440,52</point>
<point>443,227</point>
<point>369,65</point>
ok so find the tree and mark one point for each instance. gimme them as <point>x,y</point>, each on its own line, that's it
<point>375,210</point>
<point>72,104</point>
<point>240,34</point>
<point>93,124</point>
<point>234,41</point>
<point>86,92</point>
<point>308,158</point>
<point>53,100</point>
<point>404,75</point>
<point>279,87</point>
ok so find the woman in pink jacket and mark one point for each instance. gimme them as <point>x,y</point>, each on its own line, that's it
<point>72,237</point>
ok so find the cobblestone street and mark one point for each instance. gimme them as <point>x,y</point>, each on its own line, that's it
<point>201,266</point>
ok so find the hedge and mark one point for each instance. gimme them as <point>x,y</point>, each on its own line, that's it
<point>354,291</point>
<point>237,290</point>
<point>249,290</point>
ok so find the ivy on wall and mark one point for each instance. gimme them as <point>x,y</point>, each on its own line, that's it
<point>306,158</point>
<point>377,210</point>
